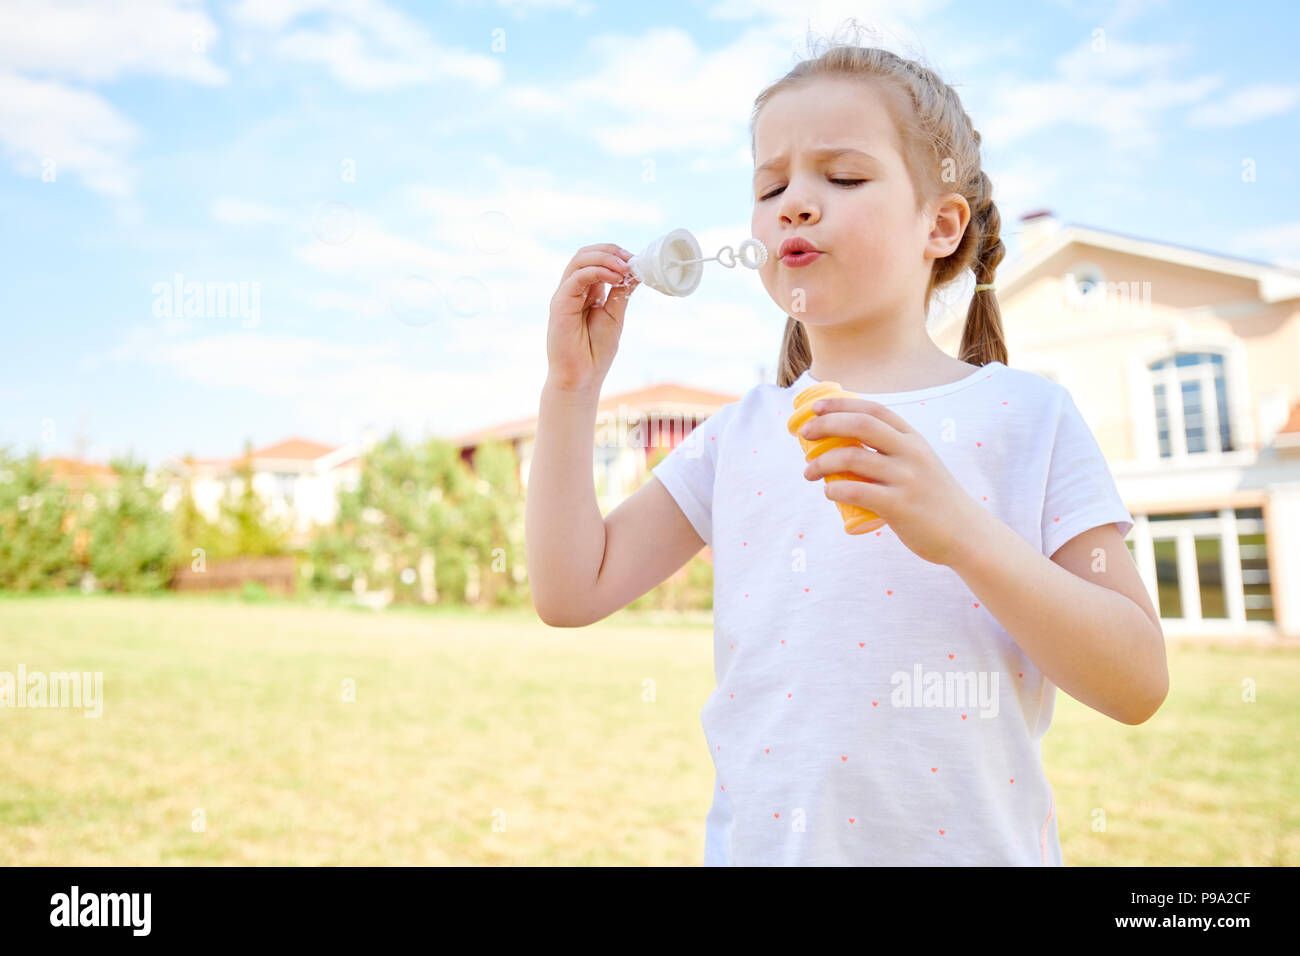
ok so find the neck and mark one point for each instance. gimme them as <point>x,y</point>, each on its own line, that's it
<point>875,357</point>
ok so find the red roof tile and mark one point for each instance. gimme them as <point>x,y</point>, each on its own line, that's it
<point>294,448</point>
<point>666,397</point>
<point>76,471</point>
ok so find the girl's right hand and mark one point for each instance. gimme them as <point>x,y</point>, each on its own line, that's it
<point>585,325</point>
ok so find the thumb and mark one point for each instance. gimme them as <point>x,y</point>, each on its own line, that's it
<point>616,301</point>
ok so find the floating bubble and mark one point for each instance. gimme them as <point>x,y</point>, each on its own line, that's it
<point>468,296</point>
<point>493,232</point>
<point>334,222</point>
<point>417,301</point>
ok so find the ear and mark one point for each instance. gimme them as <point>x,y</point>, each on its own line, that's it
<point>949,217</point>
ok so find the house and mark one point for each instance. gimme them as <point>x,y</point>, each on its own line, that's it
<point>633,430</point>
<point>76,474</point>
<point>1186,365</point>
<point>298,479</point>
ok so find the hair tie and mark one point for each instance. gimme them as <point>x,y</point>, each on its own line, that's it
<point>985,285</point>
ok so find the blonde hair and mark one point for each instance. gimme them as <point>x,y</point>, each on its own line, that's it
<point>941,150</point>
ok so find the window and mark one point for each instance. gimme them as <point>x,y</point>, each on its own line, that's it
<point>1087,279</point>
<point>1211,565</point>
<point>605,466</point>
<point>1253,547</point>
<point>1191,403</point>
<point>285,484</point>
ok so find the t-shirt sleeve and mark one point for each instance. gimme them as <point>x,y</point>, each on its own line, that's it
<point>688,470</point>
<point>1081,492</point>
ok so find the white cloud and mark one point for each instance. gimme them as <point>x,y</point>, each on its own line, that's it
<point>669,96</point>
<point>1256,102</point>
<point>364,306</point>
<point>497,254</point>
<point>45,120</point>
<point>94,41</point>
<point>534,206</point>
<point>333,387</point>
<point>45,125</point>
<point>366,44</point>
<point>524,7</point>
<point>1099,91</point>
<point>1279,244</point>
<point>236,211</point>
<point>824,16</point>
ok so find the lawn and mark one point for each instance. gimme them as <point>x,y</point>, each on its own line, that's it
<point>228,737</point>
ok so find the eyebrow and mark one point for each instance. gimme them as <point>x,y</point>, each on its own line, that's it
<point>826,152</point>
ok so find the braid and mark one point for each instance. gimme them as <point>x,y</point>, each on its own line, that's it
<point>982,339</point>
<point>989,223</point>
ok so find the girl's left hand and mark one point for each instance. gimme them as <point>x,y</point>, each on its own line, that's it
<point>910,487</point>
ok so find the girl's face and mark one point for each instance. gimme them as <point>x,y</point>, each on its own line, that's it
<point>860,211</point>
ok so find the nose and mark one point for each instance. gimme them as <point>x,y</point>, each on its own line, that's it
<point>797,205</point>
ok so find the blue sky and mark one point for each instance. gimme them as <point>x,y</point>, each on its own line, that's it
<point>397,188</point>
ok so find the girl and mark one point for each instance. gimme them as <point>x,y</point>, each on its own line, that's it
<point>881,696</point>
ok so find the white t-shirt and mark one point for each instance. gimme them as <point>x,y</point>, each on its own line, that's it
<point>868,711</point>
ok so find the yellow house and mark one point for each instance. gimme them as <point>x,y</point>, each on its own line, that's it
<point>1186,365</point>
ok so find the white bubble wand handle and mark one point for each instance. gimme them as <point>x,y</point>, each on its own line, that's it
<point>672,264</point>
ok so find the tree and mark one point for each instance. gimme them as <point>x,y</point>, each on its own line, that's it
<point>418,501</point>
<point>35,517</point>
<point>245,527</point>
<point>193,529</point>
<point>133,540</point>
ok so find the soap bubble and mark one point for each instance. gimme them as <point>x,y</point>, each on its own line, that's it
<point>468,296</point>
<point>334,222</point>
<point>417,300</point>
<point>493,232</point>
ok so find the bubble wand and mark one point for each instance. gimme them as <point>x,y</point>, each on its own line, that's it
<point>673,264</point>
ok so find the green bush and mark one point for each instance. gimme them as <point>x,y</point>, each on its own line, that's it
<point>36,516</point>
<point>133,540</point>
<point>417,500</point>
<point>254,592</point>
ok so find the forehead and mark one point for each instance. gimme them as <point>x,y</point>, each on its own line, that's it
<point>842,111</point>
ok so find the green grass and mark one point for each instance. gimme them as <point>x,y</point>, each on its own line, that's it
<point>464,719</point>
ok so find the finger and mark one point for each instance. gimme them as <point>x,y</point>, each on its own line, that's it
<point>860,461</point>
<point>871,495</point>
<point>861,405</point>
<point>577,285</point>
<point>605,247</point>
<point>858,424</point>
<point>616,302</point>
<point>611,257</point>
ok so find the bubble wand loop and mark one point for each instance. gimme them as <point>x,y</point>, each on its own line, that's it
<point>673,263</point>
<point>760,256</point>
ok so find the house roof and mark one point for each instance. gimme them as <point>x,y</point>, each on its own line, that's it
<point>309,456</point>
<point>1275,283</point>
<point>294,448</point>
<point>666,398</point>
<point>75,468</point>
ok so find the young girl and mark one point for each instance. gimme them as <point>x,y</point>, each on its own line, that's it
<point>881,696</point>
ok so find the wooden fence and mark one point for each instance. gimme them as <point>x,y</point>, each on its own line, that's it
<point>276,573</point>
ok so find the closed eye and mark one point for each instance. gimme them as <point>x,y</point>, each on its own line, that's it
<point>846,183</point>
